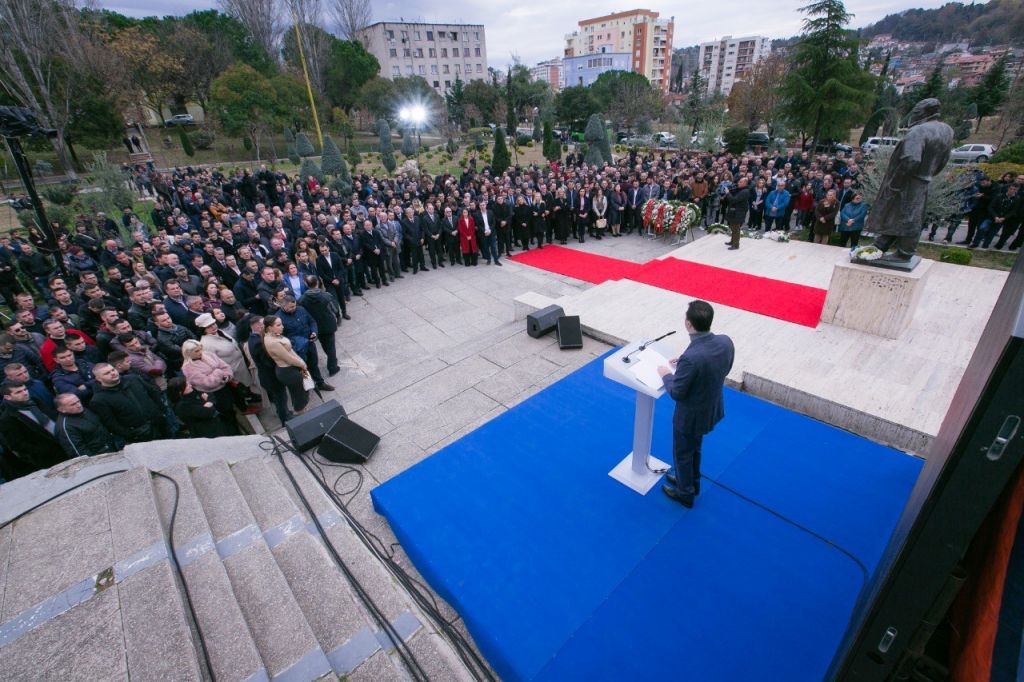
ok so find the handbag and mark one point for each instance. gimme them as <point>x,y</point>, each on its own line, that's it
<point>307,382</point>
<point>601,223</point>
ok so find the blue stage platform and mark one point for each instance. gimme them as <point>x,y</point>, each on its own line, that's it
<point>562,573</point>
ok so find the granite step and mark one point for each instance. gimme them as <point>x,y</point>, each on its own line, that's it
<point>283,636</point>
<point>232,649</point>
<point>319,586</point>
<point>434,654</point>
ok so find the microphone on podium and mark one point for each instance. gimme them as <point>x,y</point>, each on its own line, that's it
<point>643,346</point>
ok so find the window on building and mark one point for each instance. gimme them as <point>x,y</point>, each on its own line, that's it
<point>396,71</point>
<point>465,37</point>
<point>423,70</point>
<point>455,36</point>
<point>476,35</point>
<point>458,68</point>
<point>447,84</point>
<point>390,34</point>
<point>416,35</point>
<point>407,52</point>
<point>405,35</point>
<point>437,84</point>
<point>430,36</point>
<point>476,52</point>
<point>393,52</point>
<point>479,68</point>
<point>455,52</point>
<point>408,69</point>
<point>444,53</point>
<point>433,69</point>
<point>444,68</point>
<point>419,52</point>
<point>432,52</point>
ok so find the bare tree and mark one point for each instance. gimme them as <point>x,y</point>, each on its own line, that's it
<point>261,18</point>
<point>307,14</point>
<point>351,16</point>
<point>43,54</point>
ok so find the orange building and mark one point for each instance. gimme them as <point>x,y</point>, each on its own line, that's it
<point>639,33</point>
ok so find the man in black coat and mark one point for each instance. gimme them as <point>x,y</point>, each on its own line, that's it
<point>737,203</point>
<point>247,292</point>
<point>80,432</point>
<point>331,269</point>
<point>323,308</point>
<point>696,386</point>
<point>450,228</point>
<point>430,222</point>
<point>29,429</point>
<point>131,408</point>
<point>412,242</point>
<point>373,247</point>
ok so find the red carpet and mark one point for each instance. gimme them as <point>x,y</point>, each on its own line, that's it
<point>588,267</point>
<point>796,303</point>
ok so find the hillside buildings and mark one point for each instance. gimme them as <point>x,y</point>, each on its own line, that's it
<point>639,34</point>
<point>440,53</point>
<point>723,62</point>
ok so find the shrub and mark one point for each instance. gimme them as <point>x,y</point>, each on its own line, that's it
<point>62,194</point>
<point>451,147</point>
<point>565,147</point>
<point>955,256</point>
<point>186,142</point>
<point>353,157</point>
<point>247,143</point>
<point>308,168</point>
<point>303,147</point>
<point>408,144</point>
<point>1011,153</point>
<point>203,139</point>
<point>735,139</point>
<point>521,140</point>
<point>997,170</point>
<point>331,162</point>
<point>41,167</point>
<point>530,143</point>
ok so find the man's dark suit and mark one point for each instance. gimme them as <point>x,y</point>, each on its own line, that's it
<point>430,224</point>
<point>696,386</point>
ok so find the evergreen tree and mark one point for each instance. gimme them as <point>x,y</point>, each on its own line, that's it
<point>289,135</point>
<point>593,135</point>
<point>451,147</point>
<point>353,157</point>
<point>875,120</point>
<point>308,168</point>
<point>331,162</point>
<point>991,92</point>
<point>935,86</point>
<point>552,148</point>
<point>303,146</point>
<point>826,91</point>
<point>455,101</point>
<point>510,108</point>
<point>693,108</point>
<point>408,144</point>
<point>186,142</point>
<point>538,133</point>
<point>387,150</point>
<point>501,160</point>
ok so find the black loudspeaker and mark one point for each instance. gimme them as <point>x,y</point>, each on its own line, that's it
<point>541,322</point>
<point>307,429</point>
<point>348,442</point>
<point>570,334</point>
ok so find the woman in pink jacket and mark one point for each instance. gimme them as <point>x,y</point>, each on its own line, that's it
<point>207,373</point>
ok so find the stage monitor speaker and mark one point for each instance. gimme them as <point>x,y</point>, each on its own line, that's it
<point>542,321</point>
<point>570,334</point>
<point>306,430</point>
<point>348,442</point>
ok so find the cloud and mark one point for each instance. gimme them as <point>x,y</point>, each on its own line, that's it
<point>535,30</point>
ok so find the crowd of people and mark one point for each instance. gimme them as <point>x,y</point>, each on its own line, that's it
<point>237,287</point>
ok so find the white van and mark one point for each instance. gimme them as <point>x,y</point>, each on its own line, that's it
<point>873,143</point>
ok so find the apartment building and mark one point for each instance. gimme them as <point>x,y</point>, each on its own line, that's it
<point>549,71</point>
<point>723,62</point>
<point>639,33</point>
<point>440,53</point>
<point>585,69</point>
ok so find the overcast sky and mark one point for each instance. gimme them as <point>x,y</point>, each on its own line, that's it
<point>535,30</point>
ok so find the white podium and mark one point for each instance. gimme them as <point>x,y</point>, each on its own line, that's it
<point>635,470</point>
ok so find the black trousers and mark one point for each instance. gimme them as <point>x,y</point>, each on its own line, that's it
<point>434,249</point>
<point>686,461</point>
<point>451,243</point>
<point>291,379</point>
<point>416,260</point>
<point>330,351</point>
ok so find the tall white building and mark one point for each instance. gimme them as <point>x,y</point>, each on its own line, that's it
<point>549,71</point>
<point>440,53</point>
<point>723,62</point>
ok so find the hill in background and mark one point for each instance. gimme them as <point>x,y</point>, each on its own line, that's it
<point>998,22</point>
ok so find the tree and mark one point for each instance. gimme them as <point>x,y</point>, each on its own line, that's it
<point>350,16</point>
<point>316,42</point>
<point>206,57</point>
<point>825,91</point>
<point>377,97</point>
<point>331,162</point>
<point>991,92</point>
<point>153,72</point>
<point>186,143</point>
<point>387,150</point>
<point>538,131</point>
<point>883,88</point>
<point>308,168</point>
<point>408,143</point>
<point>510,108</point>
<point>935,86</point>
<point>574,105</point>
<point>481,98</point>
<point>755,99</point>
<point>349,67</point>
<point>1011,119</point>
<point>246,104</point>
<point>228,32</point>
<point>627,97</point>
<point>261,19</point>
<point>552,147</point>
<point>696,102</point>
<point>455,102</point>
<point>501,159</point>
<point>593,135</point>
<point>303,147</point>
<point>735,139</point>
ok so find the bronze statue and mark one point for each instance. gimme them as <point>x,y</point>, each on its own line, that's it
<point>897,215</point>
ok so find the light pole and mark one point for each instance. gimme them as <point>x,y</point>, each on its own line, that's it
<point>415,114</point>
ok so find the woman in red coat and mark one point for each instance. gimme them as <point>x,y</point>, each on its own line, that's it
<point>467,237</point>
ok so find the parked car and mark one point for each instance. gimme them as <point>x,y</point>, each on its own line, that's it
<point>873,143</point>
<point>663,138</point>
<point>972,153</point>
<point>180,120</point>
<point>758,140</point>
<point>832,148</point>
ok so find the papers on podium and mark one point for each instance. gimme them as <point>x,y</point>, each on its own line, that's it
<point>645,367</point>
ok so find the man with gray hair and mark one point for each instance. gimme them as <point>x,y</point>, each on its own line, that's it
<point>897,215</point>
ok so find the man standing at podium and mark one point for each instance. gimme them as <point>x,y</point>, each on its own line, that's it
<point>696,386</point>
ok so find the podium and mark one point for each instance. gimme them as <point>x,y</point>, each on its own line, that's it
<point>635,470</point>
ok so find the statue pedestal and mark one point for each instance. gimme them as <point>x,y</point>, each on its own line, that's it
<point>873,300</point>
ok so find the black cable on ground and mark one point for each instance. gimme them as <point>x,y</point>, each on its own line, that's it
<point>58,495</point>
<point>422,595</point>
<point>181,575</point>
<point>404,652</point>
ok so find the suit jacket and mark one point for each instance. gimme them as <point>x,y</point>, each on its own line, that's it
<point>412,230</point>
<point>696,385</point>
<point>329,271</point>
<point>431,224</point>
